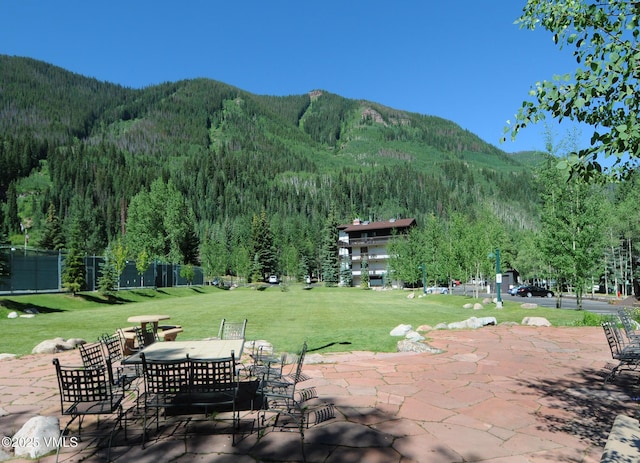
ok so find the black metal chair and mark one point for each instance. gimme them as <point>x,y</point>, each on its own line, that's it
<point>630,326</point>
<point>214,386</point>
<point>93,356</point>
<point>627,355</point>
<point>113,346</point>
<point>265,362</point>
<point>166,385</point>
<point>281,397</point>
<point>88,391</point>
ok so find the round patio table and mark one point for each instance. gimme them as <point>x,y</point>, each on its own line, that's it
<point>144,319</point>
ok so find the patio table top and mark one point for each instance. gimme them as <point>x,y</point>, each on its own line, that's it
<point>175,350</point>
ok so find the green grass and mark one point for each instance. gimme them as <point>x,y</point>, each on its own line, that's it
<point>285,318</point>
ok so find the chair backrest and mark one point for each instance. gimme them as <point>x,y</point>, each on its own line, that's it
<point>113,345</point>
<point>612,338</point>
<point>165,376</point>
<point>213,375</point>
<point>146,336</point>
<point>297,375</point>
<point>232,330</point>
<point>92,355</point>
<point>627,323</point>
<point>77,384</point>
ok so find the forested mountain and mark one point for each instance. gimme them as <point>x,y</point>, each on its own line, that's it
<point>88,147</point>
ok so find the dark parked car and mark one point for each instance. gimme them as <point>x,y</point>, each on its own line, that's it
<point>528,291</point>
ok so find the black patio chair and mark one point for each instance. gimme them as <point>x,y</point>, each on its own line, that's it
<point>627,355</point>
<point>214,386</point>
<point>113,346</point>
<point>166,386</point>
<point>282,398</point>
<point>630,326</point>
<point>88,391</point>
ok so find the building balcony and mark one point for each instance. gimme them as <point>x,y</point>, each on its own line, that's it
<point>369,241</point>
<point>370,257</point>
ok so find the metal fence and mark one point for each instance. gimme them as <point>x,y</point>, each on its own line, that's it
<point>35,270</point>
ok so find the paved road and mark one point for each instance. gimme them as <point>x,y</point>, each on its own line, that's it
<point>569,303</point>
<point>596,305</point>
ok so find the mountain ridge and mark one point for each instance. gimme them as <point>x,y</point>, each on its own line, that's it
<point>233,153</point>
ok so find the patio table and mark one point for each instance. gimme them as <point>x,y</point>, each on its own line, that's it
<point>176,350</point>
<point>144,319</point>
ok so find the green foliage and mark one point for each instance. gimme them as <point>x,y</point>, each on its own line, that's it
<point>590,319</point>
<point>261,248</point>
<point>364,276</point>
<point>142,264</point>
<point>329,250</point>
<point>602,91</point>
<point>73,273</point>
<point>161,224</point>
<point>52,236</point>
<point>230,154</point>
<point>108,281</point>
<point>188,273</point>
<point>572,224</point>
<point>172,166</point>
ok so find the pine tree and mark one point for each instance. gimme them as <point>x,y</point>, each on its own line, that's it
<point>52,236</point>
<point>329,250</point>
<point>73,274</point>
<point>12,221</point>
<point>262,247</point>
<point>108,280</point>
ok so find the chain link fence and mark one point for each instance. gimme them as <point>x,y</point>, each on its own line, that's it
<point>37,270</point>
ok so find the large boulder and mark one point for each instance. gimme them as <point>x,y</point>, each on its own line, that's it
<point>535,321</point>
<point>37,437</point>
<point>472,323</point>
<point>414,336</point>
<point>529,305</point>
<point>401,330</point>
<point>53,346</point>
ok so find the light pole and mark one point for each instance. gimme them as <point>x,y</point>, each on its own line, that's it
<point>424,278</point>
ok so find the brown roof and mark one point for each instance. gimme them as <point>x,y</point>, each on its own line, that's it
<point>397,223</point>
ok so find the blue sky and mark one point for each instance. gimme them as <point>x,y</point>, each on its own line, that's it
<point>461,60</point>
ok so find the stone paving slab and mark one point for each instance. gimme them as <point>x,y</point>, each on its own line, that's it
<point>498,394</point>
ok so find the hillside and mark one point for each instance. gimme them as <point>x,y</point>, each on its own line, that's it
<point>88,147</point>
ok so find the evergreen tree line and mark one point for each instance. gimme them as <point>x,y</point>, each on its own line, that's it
<point>211,158</point>
<point>587,240</point>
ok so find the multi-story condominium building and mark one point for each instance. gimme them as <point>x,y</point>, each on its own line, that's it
<point>363,248</point>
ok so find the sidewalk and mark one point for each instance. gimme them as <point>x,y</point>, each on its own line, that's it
<point>505,394</point>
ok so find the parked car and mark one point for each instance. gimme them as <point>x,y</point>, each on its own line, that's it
<point>531,290</point>
<point>273,279</point>
<point>514,291</point>
<point>437,290</point>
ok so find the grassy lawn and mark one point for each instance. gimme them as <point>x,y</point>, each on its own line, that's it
<point>285,318</point>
